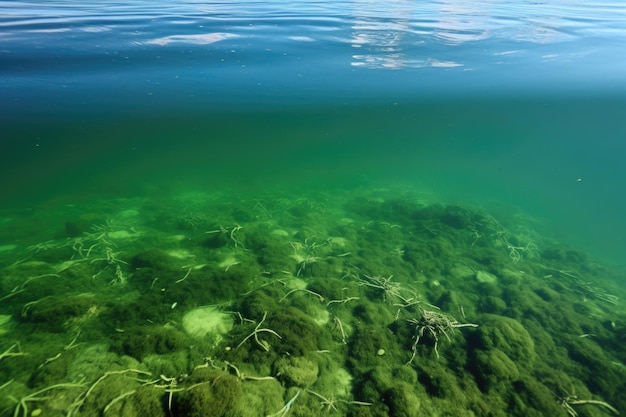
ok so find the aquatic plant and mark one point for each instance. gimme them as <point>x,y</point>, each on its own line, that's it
<point>434,324</point>
<point>255,333</point>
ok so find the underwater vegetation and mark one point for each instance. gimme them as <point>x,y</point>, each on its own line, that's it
<point>364,303</point>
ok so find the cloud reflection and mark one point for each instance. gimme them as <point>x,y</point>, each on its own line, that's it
<point>397,34</point>
<point>381,41</point>
<point>197,39</point>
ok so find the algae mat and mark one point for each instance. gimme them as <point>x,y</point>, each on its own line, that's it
<point>363,302</point>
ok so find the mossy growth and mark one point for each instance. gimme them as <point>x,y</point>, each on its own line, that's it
<point>441,382</point>
<point>595,369</point>
<point>300,334</point>
<point>146,401</point>
<point>77,278</point>
<point>372,385</point>
<point>212,284</point>
<point>218,239</point>
<point>493,369</point>
<point>154,259</point>
<point>152,306</point>
<point>402,400</point>
<point>261,301</point>
<point>52,371</point>
<point>330,289</point>
<point>372,346</point>
<point>174,363</point>
<point>531,398</point>
<point>507,335</point>
<point>141,341</point>
<point>491,304</point>
<point>374,313</point>
<point>207,393</point>
<point>53,312</point>
<point>300,371</point>
<point>272,253</point>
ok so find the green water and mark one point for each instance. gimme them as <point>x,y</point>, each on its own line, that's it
<point>433,257</point>
<point>556,157</point>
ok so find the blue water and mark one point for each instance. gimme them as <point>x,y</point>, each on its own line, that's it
<point>91,56</point>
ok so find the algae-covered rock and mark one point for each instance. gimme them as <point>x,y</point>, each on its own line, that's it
<point>262,399</point>
<point>5,323</point>
<point>531,398</point>
<point>146,401</point>
<point>298,371</point>
<point>366,343</point>
<point>213,397</point>
<point>509,336</point>
<point>461,272</point>
<point>486,277</point>
<point>141,341</point>
<point>300,335</point>
<point>154,259</point>
<point>402,401</point>
<point>491,304</point>
<point>55,311</point>
<point>494,368</point>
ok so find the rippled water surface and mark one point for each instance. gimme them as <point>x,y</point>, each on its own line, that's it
<point>299,51</point>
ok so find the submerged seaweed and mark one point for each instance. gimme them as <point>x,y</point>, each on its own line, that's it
<point>360,303</point>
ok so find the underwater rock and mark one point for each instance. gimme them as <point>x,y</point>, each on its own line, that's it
<point>494,368</point>
<point>55,311</point>
<point>214,397</point>
<point>486,277</point>
<point>509,336</point>
<point>139,342</point>
<point>460,272</point>
<point>155,259</point>
<point>402,401</point>
<point>75,229</point>
<point>299,371</point>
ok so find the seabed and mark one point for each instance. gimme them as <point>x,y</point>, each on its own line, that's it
<point>358,302</point>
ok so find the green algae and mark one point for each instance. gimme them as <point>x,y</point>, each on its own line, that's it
<point>321,291</point>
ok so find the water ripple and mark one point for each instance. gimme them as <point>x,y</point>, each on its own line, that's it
<point>258,43</point>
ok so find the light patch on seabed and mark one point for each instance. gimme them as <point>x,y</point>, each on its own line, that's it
<point>321,317</point>
<point>229,262</point>
<point>128,213</point>
<point>338,241</point>
<point>280,232</point>
<point>7,248</point>
<point>180,254</point>
<point>177,238</point>
<point>122,234</point>
<point>4,323</point>
<point>343,382</point>
<point>296,284</point>
<point>204,321</point>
